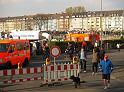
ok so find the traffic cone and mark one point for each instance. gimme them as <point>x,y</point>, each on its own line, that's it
<point>19,65</point>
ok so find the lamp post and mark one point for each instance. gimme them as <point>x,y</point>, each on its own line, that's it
<point>122,33</point>
<point>101,5</point>
<point>101,31</point>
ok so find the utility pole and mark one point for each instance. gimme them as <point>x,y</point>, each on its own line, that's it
<point>122,33</point>
<point>101,31</point>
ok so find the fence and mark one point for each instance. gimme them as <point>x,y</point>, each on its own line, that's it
<point>60,72</point>
<point>47,73</point>
<point>22,75</point>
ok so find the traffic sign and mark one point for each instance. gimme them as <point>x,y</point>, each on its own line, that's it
<point>55,51</point>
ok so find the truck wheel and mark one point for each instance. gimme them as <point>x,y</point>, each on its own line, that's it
<point>8,65</point>
<point>26,63</point>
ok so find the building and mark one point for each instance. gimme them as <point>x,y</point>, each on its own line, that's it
<point>109,23</point>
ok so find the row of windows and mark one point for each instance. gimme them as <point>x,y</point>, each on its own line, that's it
<point>22,46</point>
<point>19,46</point>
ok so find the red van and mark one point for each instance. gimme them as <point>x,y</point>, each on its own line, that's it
<point>13,52</point>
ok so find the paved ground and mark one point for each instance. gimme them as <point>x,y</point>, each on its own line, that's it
<point>93,83</point>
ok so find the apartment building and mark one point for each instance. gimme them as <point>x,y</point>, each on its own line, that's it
<point>108,21</point>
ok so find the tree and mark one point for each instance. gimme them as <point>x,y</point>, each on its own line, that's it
<point>69,10</point>
<point>78,9</point>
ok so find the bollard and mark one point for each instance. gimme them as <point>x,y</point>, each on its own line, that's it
<point>19,65</point>
<point>74,59</point>
<point>47,61</point>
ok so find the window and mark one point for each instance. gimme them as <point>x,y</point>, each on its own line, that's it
<point>11,48</point>
<point>4,47</point>
<point>26,46</point>
<point>19,46</point>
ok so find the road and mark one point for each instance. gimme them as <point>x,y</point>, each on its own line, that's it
<point>114,55</point>
<point>93,83</point>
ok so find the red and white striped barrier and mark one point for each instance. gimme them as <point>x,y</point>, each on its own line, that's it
<point>48,74</point>
<point>21,71</point>
<point>15,72</point>
<point>62,72</point>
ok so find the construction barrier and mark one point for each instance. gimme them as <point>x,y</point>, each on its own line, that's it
<point>60,72</point>
<point>47,73</point>
<point>7,76</point>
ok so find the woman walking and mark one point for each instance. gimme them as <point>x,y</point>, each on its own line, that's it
<point>83,59</point>
<point>94,61</point>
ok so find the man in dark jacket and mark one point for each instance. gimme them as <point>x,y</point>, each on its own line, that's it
<point>102,53</point>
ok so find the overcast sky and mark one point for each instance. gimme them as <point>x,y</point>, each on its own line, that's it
<point>31,7</point>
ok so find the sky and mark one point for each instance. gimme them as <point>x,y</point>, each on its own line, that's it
<point>9,8</point>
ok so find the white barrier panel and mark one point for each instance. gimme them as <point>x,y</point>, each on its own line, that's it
<point>61,72</point>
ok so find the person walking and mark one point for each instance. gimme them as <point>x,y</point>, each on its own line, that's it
<point>47,51</point>
<point>70,51</point>
<point>106,68</point>
<point>94,61</point>
<point>83,59</point>
<point>34,48</point>
<point>102,53</point>
<point>118,46</point>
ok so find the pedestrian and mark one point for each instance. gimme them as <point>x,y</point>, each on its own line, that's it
<point>31,45</point>
<point>70,51</point>
<point>106,68</point>
<point>118,46</point>
<point>102,53</point>
<point>83,59</point>
<point>97,49</point>
<point>94,61</point>
<point>34,48</point>
<point>47,51</point>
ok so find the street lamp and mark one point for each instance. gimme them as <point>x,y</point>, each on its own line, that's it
<point>101,5</point>
<point>101,31</point>
<point>122,33</point>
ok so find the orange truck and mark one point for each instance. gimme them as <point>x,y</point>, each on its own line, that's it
<point>82,37</point>
<point>76,37</point>
<point>13,52</point>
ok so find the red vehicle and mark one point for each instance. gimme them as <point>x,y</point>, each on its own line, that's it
<point>13,52</point>
<point>82,37</point>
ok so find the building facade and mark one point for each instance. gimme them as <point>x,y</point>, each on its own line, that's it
<point>106,22</point>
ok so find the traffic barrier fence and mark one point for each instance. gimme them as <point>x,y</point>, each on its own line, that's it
<point>60,72</point>
<point>47,73</point>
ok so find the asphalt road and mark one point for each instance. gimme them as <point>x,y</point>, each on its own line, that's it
<point>114,55</point>
<point>93,83</point>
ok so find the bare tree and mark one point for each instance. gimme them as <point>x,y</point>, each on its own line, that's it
<point>78,9</point>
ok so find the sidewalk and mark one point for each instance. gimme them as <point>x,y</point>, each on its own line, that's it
<point>117,75</point>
